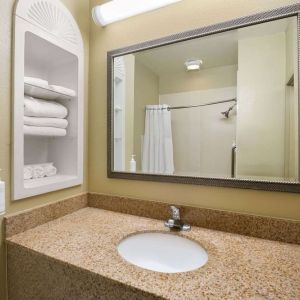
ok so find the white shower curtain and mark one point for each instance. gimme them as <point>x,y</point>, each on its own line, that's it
<point>157,156</point>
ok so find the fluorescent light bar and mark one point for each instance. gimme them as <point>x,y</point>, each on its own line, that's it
<point>117,10</point>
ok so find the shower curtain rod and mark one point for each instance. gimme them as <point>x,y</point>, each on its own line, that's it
<point>190,106</point>
<point>199,105</point>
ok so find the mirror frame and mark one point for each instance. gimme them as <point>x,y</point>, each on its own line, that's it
<point>272,15</point>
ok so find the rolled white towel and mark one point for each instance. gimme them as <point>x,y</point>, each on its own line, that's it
<point>36,81</point>
<point>63,90</point>
<point>50,170</point>
<point>28,172</point>
<point>43,108</point>
<point>38,172</point>
<point>44,131</point>
<point>46,122</point>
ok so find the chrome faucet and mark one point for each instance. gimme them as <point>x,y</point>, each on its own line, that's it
<point>175,221</point>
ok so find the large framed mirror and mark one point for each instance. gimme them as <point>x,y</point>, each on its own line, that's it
<point>216,106</point>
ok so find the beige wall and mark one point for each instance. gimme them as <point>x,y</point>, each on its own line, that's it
<point>261,111</point>
<point>146,85</point>
<point>291,168</point>
<point>81,12</point>
<point>187,15</point>
<point>201,80</point>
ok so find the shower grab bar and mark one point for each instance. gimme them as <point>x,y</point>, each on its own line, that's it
<point>233,159</point>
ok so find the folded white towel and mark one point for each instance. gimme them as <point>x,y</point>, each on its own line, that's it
<point>36,81</point>
<point>63,90</point>
<point>41,108</point>
<point>28,172</point>
<point>46,122</point>
<point>38,172</point>
<point>44,131</point>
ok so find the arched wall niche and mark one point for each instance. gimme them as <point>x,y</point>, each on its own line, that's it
<point>48,46</point>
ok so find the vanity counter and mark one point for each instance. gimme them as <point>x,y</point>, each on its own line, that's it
<point>84,244</point>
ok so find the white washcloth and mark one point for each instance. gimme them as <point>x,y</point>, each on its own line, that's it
<point>36,81</point>
<point>44,131</point>
<point>38,172</point>
<point>63,90</point>
<point>28,172</point>
<point>42,108</point>
<point>46,122</point>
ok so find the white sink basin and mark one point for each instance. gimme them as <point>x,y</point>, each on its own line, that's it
<point>162,252</point>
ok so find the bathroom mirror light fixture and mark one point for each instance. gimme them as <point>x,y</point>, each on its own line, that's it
<point>117,10</point>
<point>193,65</point>
<point>214,127</point>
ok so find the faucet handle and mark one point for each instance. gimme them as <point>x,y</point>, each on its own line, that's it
<point>175,212</point>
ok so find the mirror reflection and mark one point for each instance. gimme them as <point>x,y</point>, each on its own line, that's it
<point>220,106</point>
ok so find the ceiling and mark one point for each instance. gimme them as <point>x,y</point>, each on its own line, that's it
<point>215,50</point>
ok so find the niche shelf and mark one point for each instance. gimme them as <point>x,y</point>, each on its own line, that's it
<point>41,182</point>
<point>47,45</point>
<point>44,93</point>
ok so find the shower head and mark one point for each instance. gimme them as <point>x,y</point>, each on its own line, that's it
<point>226,113</point>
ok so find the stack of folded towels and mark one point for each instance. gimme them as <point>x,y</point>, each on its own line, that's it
<point>39,171</point>
<point>44,117</point>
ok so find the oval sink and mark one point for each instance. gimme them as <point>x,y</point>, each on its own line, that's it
<point>162,252</point>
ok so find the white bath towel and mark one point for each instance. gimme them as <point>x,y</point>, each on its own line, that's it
<point>28,172</point>
<point>63,90</point>
<point>42,108</point>
<point>46,122</point>
<point>36,81</point>
<point>38,172</point>
<point>44,131</point>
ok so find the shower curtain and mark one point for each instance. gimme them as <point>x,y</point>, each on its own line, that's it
<point>157,154</point>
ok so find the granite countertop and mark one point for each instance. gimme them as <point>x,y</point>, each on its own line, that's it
<point>239,267</point>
